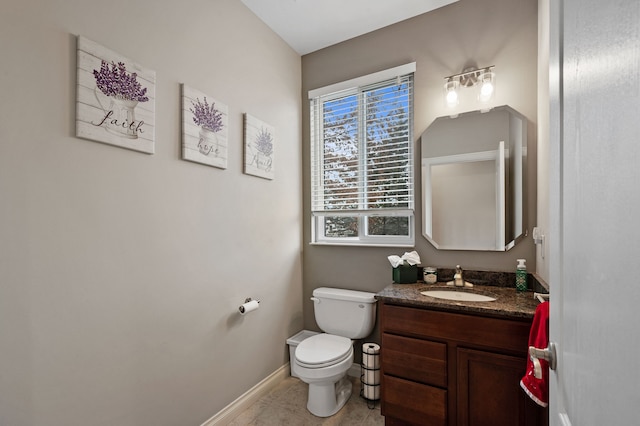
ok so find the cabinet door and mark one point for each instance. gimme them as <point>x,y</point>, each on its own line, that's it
<point>408,403</point>
<point>489,392</point>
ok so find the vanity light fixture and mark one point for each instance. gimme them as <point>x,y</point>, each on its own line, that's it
<point>485,78</point>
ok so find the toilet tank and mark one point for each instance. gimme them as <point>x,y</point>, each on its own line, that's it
<point>347,313</point>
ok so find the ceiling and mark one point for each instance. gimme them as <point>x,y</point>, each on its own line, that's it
<point>310,25</point>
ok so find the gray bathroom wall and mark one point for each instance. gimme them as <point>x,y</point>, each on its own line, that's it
<point>121,272</point>
<point>488,32</point>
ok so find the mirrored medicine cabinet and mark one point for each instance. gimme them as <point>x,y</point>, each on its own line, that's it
<point>474,180</point>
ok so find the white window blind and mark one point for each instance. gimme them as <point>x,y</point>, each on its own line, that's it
<point>362,160</point>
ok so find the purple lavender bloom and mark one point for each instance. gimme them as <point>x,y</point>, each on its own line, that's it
<point>264,142</point>
<point>206,116</point>
<point>114,80</point>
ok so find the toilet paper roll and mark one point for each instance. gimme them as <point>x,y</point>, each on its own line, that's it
<point>371,392</point>
<point>371,355</point>
<point>371,377</point>
<point>245,308</point>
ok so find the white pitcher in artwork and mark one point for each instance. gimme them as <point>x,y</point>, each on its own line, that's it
<point>208,142</point>
<point>119,119</point>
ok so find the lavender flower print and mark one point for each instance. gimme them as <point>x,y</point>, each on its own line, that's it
<point>206,116</point>
<point>124,91</point>
<point>210,121</point>
<point>264,142</point>
<point>115,81</point>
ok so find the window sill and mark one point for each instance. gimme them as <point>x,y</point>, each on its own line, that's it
<point>361,244</point>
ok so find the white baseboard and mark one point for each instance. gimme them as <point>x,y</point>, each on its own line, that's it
<point>244,401</point>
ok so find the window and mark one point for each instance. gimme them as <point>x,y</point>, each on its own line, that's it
<point>362,160</point>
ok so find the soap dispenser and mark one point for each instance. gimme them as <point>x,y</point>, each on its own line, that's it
<point>521,275</point>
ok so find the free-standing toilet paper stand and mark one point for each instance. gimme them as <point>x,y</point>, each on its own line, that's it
<point>370,374</point>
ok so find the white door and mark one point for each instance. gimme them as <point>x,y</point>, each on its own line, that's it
<point>594,216</point>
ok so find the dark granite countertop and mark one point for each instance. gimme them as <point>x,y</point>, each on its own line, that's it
<point>508,304</point>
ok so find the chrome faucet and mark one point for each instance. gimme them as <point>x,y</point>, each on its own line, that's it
<point>458,281</point>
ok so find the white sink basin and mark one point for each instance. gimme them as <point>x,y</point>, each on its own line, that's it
<point>461,296</point>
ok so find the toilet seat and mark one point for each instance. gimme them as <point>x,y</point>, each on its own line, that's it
<point>323,350</point>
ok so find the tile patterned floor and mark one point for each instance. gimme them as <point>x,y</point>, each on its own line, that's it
<point>287,405</point>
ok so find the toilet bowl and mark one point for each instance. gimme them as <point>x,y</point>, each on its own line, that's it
<point>322,361</point>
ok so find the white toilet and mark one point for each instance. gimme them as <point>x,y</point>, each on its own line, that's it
<point>322,360</point>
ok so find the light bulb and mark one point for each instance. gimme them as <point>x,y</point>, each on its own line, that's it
<point>486,91</point>
<point>487,88</point>
<point>451,94</point>
<point>452,98</point>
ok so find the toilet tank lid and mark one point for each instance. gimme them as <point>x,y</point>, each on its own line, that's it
<point>344,294</point>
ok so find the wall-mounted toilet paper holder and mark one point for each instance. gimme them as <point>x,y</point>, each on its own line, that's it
<point>248,305</point>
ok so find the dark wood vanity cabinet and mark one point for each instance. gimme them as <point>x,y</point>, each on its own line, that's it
<point>451,369</point>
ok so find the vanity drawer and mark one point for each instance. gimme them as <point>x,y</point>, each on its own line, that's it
<point>507,334</point>
<point>418,360</point>
<point>414,402</point>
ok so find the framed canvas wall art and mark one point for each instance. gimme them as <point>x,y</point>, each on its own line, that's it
<point>259,141</point>
<point>115,99</point>
<point>205,128</point>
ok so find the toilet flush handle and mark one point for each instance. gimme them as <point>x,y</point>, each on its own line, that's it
<point>315,299</point>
